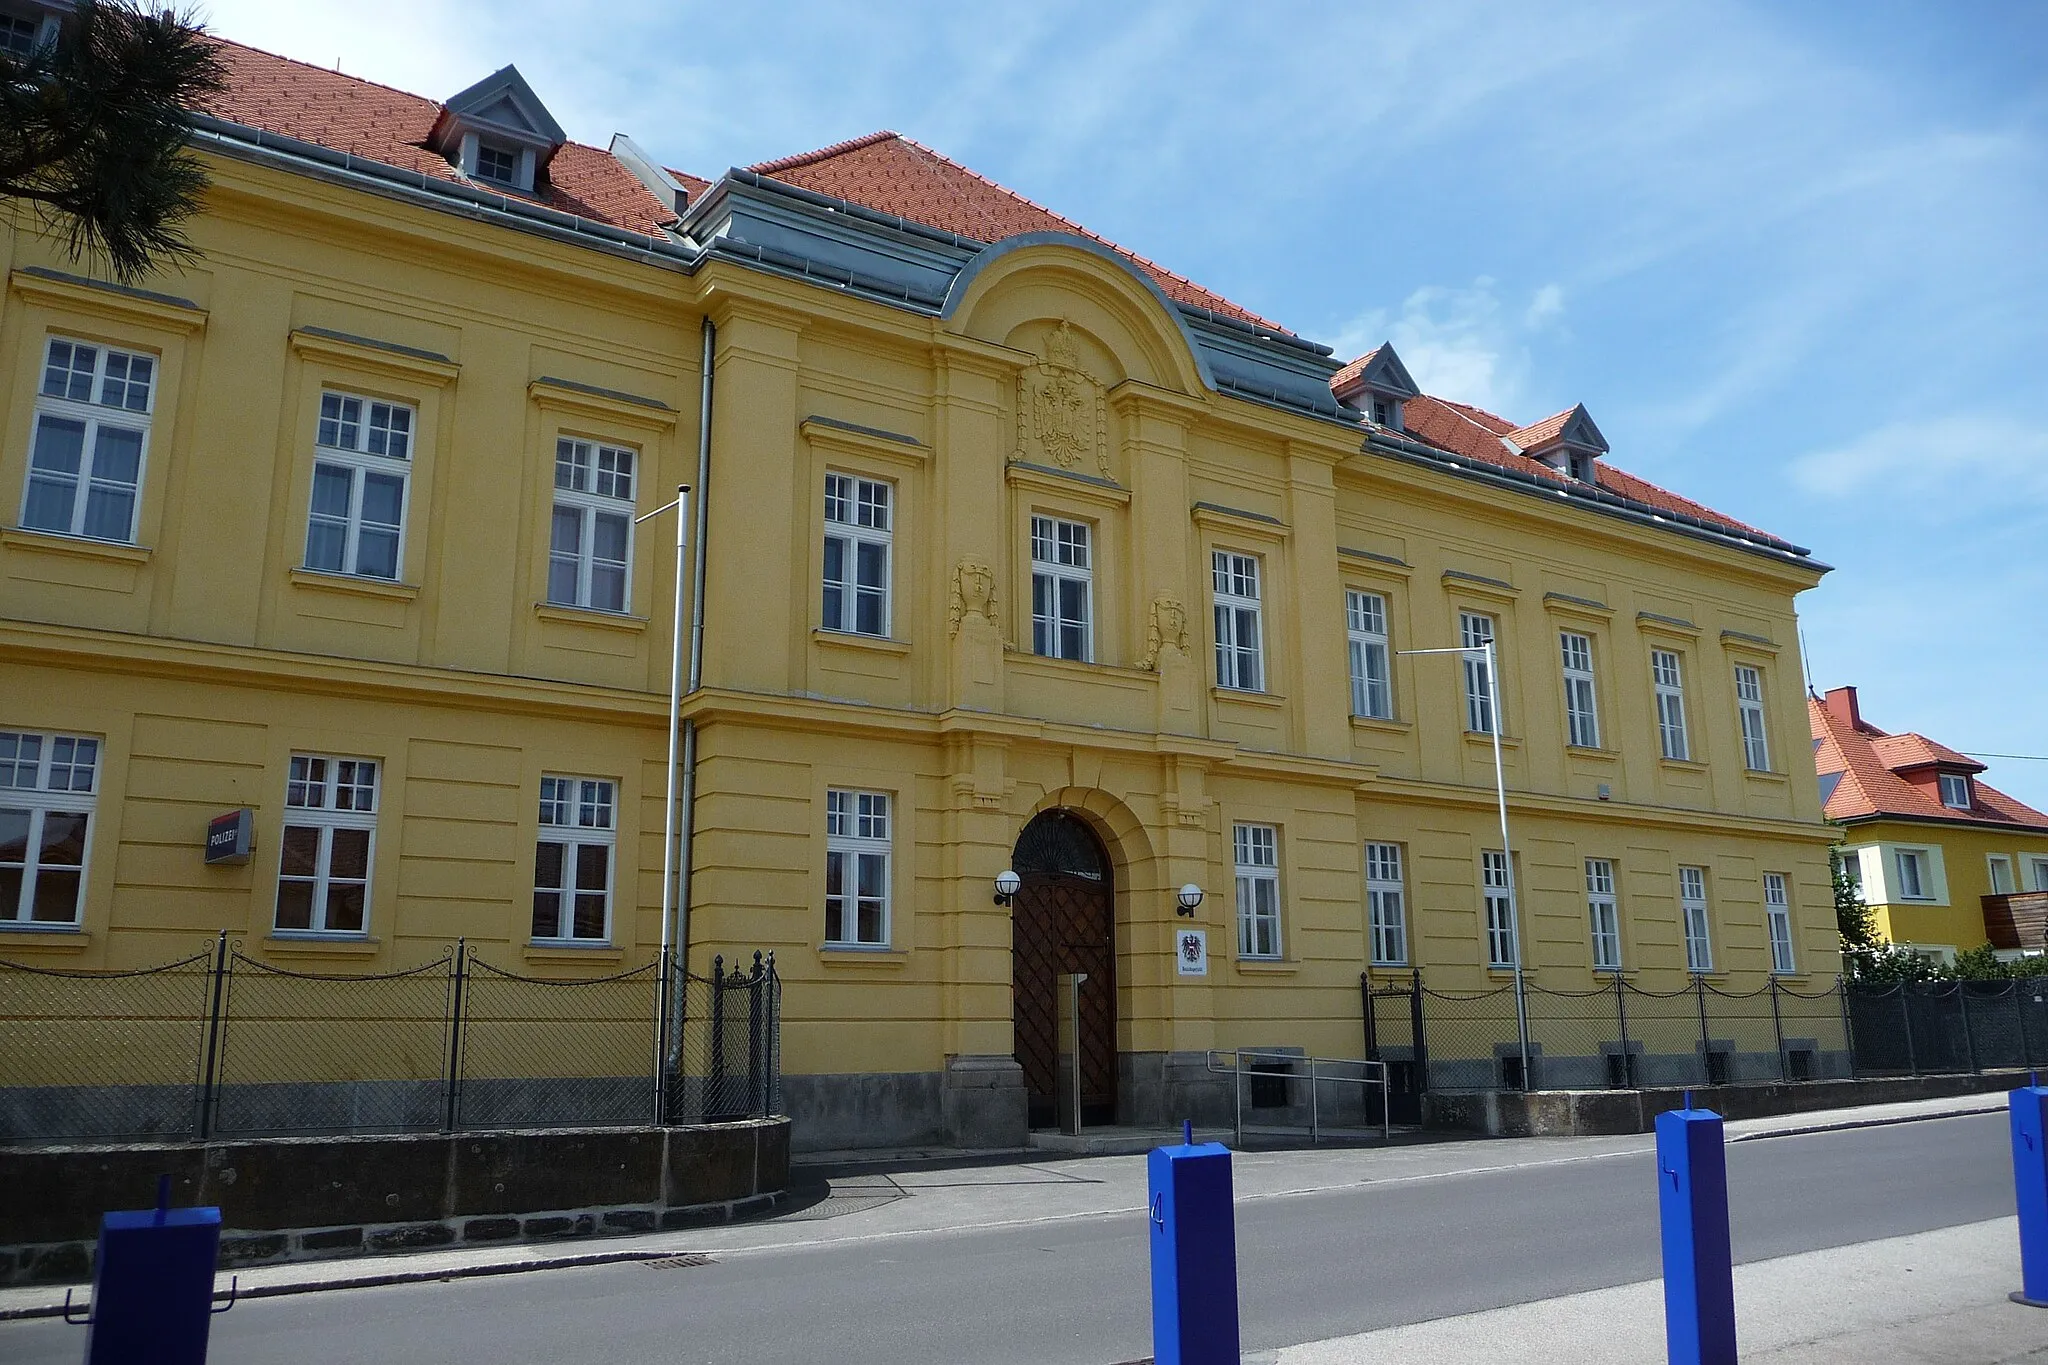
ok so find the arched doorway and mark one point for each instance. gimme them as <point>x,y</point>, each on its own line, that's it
<point>1063,920</point>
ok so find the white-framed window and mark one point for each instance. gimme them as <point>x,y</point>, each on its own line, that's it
<point>573,858</point>
<point>857,851</point>
<point>324,854</point>
<point>2037,874</point>
<point>1372,688</point>
<point>1667,680</point>
<point>1604,915</point>
<point>858,522</point>
<point>1257,851</point>
<point>590,536</point>
<point>1955,791</point>
<point>49,787</point>
<point>1778,920</point>
<point>91,439</point>
<point>1582,717</point>
<point>1386,905</point>
<point>1500,908</point>
<point>1913,881</point>
<point>1474,632</point>
<point>361,471</point>
<point>1749,699</point>
<point>497,163</point>
<point>18,36</point>
<point>1240,657</point>
<point>1692,906</point>
<point>1062,589</point>
<point>2000,868</point>
<point>1852,868</point>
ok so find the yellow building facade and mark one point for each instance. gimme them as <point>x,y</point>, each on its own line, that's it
<point>1001,541</point>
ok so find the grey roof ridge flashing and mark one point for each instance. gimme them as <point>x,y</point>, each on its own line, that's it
<point>1600,499</point>
<point>529,215</point>
<point>1278,336</point>
<point>755,180</point>
<point>803,268</point>
<point>1335,412</point>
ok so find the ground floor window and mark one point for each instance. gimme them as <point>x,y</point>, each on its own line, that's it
<point>1778,919</point>
<point>1500,908</point>
<point>330,829</point>
<point>572,860</point>
<point>48,793</point>
<point>1257,849</point>
<point>857,850</point>
<point>1385,901</point>
<point>1604,914</point>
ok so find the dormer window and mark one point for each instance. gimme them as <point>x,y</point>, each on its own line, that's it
<point>1386,411</point>
<point>26,27</point>
<point>497,163</point>
<point>18,36</point>
<point>1376,384</point>
<point>1581,467</point>
<point>1955,791</point>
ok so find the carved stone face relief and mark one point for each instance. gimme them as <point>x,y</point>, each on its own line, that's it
<point>1168,629</point>
<point>974,594</point>
<point>1061,414</point>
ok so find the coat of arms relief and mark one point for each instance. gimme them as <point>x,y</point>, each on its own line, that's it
<point>1062,416</point>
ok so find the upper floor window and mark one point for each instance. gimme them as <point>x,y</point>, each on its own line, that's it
<point>1500,908</point>
<point>572,859</point>
<point>857,549</point>
<point>1062,586</point>
<point>1749,699</point>
<point>91,436</point>
<point>1385,896</point>
<point>500,164</point>
<point>1604,914</point>
<point>1372,692</point>
<point>18,36</point>
<point>1581,717</point>
<point>1778,920</point>
<point>1240,658</point>
<point>1257,850</point>
<point>1913,879</point>
<point>1692,905</point>
<point>1475,632</point>
<point>590,540</point>
<point>360,473</point>
<point>1668,681</point>
<point>2037,874</point>
<point>48,793</point>
<point>330,826</point>
<point>1955,791</point>
<point>2000,868</point>
<point>1852,869</point>
<point>857,848</point>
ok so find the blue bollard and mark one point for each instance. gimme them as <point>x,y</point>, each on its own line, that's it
<point>2029,1109</point>
<point>1194,1254</point>
<point>1699,1265</point>
<point>152,1285</point>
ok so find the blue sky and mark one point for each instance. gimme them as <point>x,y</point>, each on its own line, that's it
<point>1790,256</point>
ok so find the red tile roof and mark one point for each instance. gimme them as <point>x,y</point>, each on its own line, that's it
<point>890,173</point>
<point>1343,377</point>
<point>349,114</point>
<point>1476,434</point>
<point>1543,432</point>
<point>1870,762</point>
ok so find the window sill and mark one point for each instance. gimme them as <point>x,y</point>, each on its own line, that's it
<point>856,958</point>
<point>1383,724</point>
<point>31,937</point>
<point>845,639</point>
<point>1485,741</point>
<point>567,951</point>
<point>354,584</point>
<point>1272,700</point>
<point>590,616</point>
<point>1595,754</point>
<point>288,944</point>
<point>1761,775</point>
<point>53,542</point>
<point>1079,667</point>
<point>1683,765</point>
<point>1267,966</point>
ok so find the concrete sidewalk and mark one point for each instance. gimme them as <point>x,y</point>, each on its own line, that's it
<point>879,1197</point>
<point>1938,1298</point>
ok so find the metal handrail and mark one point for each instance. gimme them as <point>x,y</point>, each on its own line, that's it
<point>1236,1067</point>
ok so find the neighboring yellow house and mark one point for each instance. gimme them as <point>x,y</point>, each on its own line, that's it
<point>1023,553</point>
<point>1945,860</point>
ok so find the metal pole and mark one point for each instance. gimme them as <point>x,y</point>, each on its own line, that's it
<point>661,967</point>
<point>1074,1071</point>
<point>207,1099</point>
<point>1699,984</point>
<point>1507,854</point>
<point>1315,1127</point>
<point>1848,1028</point>
<point>675,710</point>
<point>1778,1032</point>
<point>455,1039</point>
<point>1628,1070</point>
<point>1969,1041</point>
<point>1237,1108</point>
<point>1906,1017</point>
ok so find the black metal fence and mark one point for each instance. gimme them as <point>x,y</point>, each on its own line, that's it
<point>220,1044</point>
<point>1911,1027</point>
<point>1616,1036</point>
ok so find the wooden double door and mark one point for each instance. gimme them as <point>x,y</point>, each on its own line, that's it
<point>1063,921</point>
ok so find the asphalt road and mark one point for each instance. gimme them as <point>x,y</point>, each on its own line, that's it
<point>1310,1267</point>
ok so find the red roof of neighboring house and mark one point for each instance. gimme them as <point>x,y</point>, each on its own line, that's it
<point>890,173</point>
<point>1477,435</point>
<point>349,114</point>
<point>1870,762</point>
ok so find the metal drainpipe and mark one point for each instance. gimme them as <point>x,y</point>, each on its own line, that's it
<point>687,821</point>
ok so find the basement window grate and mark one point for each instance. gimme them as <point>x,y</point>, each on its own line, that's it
<point>688,1260</point>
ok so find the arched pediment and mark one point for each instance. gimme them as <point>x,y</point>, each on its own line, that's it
<point>1061,275</point>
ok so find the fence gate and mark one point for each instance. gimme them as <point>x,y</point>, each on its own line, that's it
<point>1394,1036</point>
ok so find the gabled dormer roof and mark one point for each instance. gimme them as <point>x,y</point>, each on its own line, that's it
<point>1873,772</point>
<point>503,105</point>
<point>1377,371</point>
<point>1572,428</point>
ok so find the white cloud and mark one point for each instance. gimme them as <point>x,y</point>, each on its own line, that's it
<point>1546,305</point>
<point>1459,342</point>
<point>1961,467</point>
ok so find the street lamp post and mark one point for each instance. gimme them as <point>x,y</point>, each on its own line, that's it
<point>1507,854</point>
<point>681,507</point>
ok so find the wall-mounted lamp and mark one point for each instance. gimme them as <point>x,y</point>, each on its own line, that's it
<point>1007,883</point>
<point>1189,897</point>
